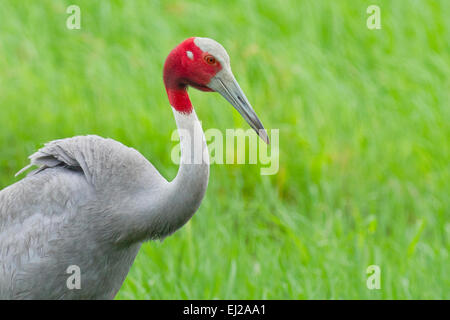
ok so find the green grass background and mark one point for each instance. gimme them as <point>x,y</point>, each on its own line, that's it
<point>364,137</point>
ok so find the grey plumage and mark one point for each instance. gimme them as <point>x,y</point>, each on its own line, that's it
<point>91,203</point>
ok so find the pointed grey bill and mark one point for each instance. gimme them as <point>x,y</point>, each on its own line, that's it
<point>225,84</point>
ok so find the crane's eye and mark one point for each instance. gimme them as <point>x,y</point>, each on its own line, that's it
<point>210,59</point>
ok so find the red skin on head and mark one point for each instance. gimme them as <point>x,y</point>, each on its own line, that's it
<point>181,71</point>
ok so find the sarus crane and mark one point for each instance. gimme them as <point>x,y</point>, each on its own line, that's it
<point>91,202</point>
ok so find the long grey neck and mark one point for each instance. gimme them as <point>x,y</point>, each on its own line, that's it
<point>189,186</point>
<point>166,208</point>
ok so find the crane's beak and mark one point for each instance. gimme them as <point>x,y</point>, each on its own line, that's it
<point>225,84</point>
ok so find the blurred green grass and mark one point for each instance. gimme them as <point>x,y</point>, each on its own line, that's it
<point>364,137</point>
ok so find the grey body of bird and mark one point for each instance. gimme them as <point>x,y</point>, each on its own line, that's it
<point>91,203</point>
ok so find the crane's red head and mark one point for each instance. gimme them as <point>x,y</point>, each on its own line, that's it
<point>204,64</point>
<point>191,64</point>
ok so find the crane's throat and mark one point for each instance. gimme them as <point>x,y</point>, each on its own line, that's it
<point>179,99</point>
